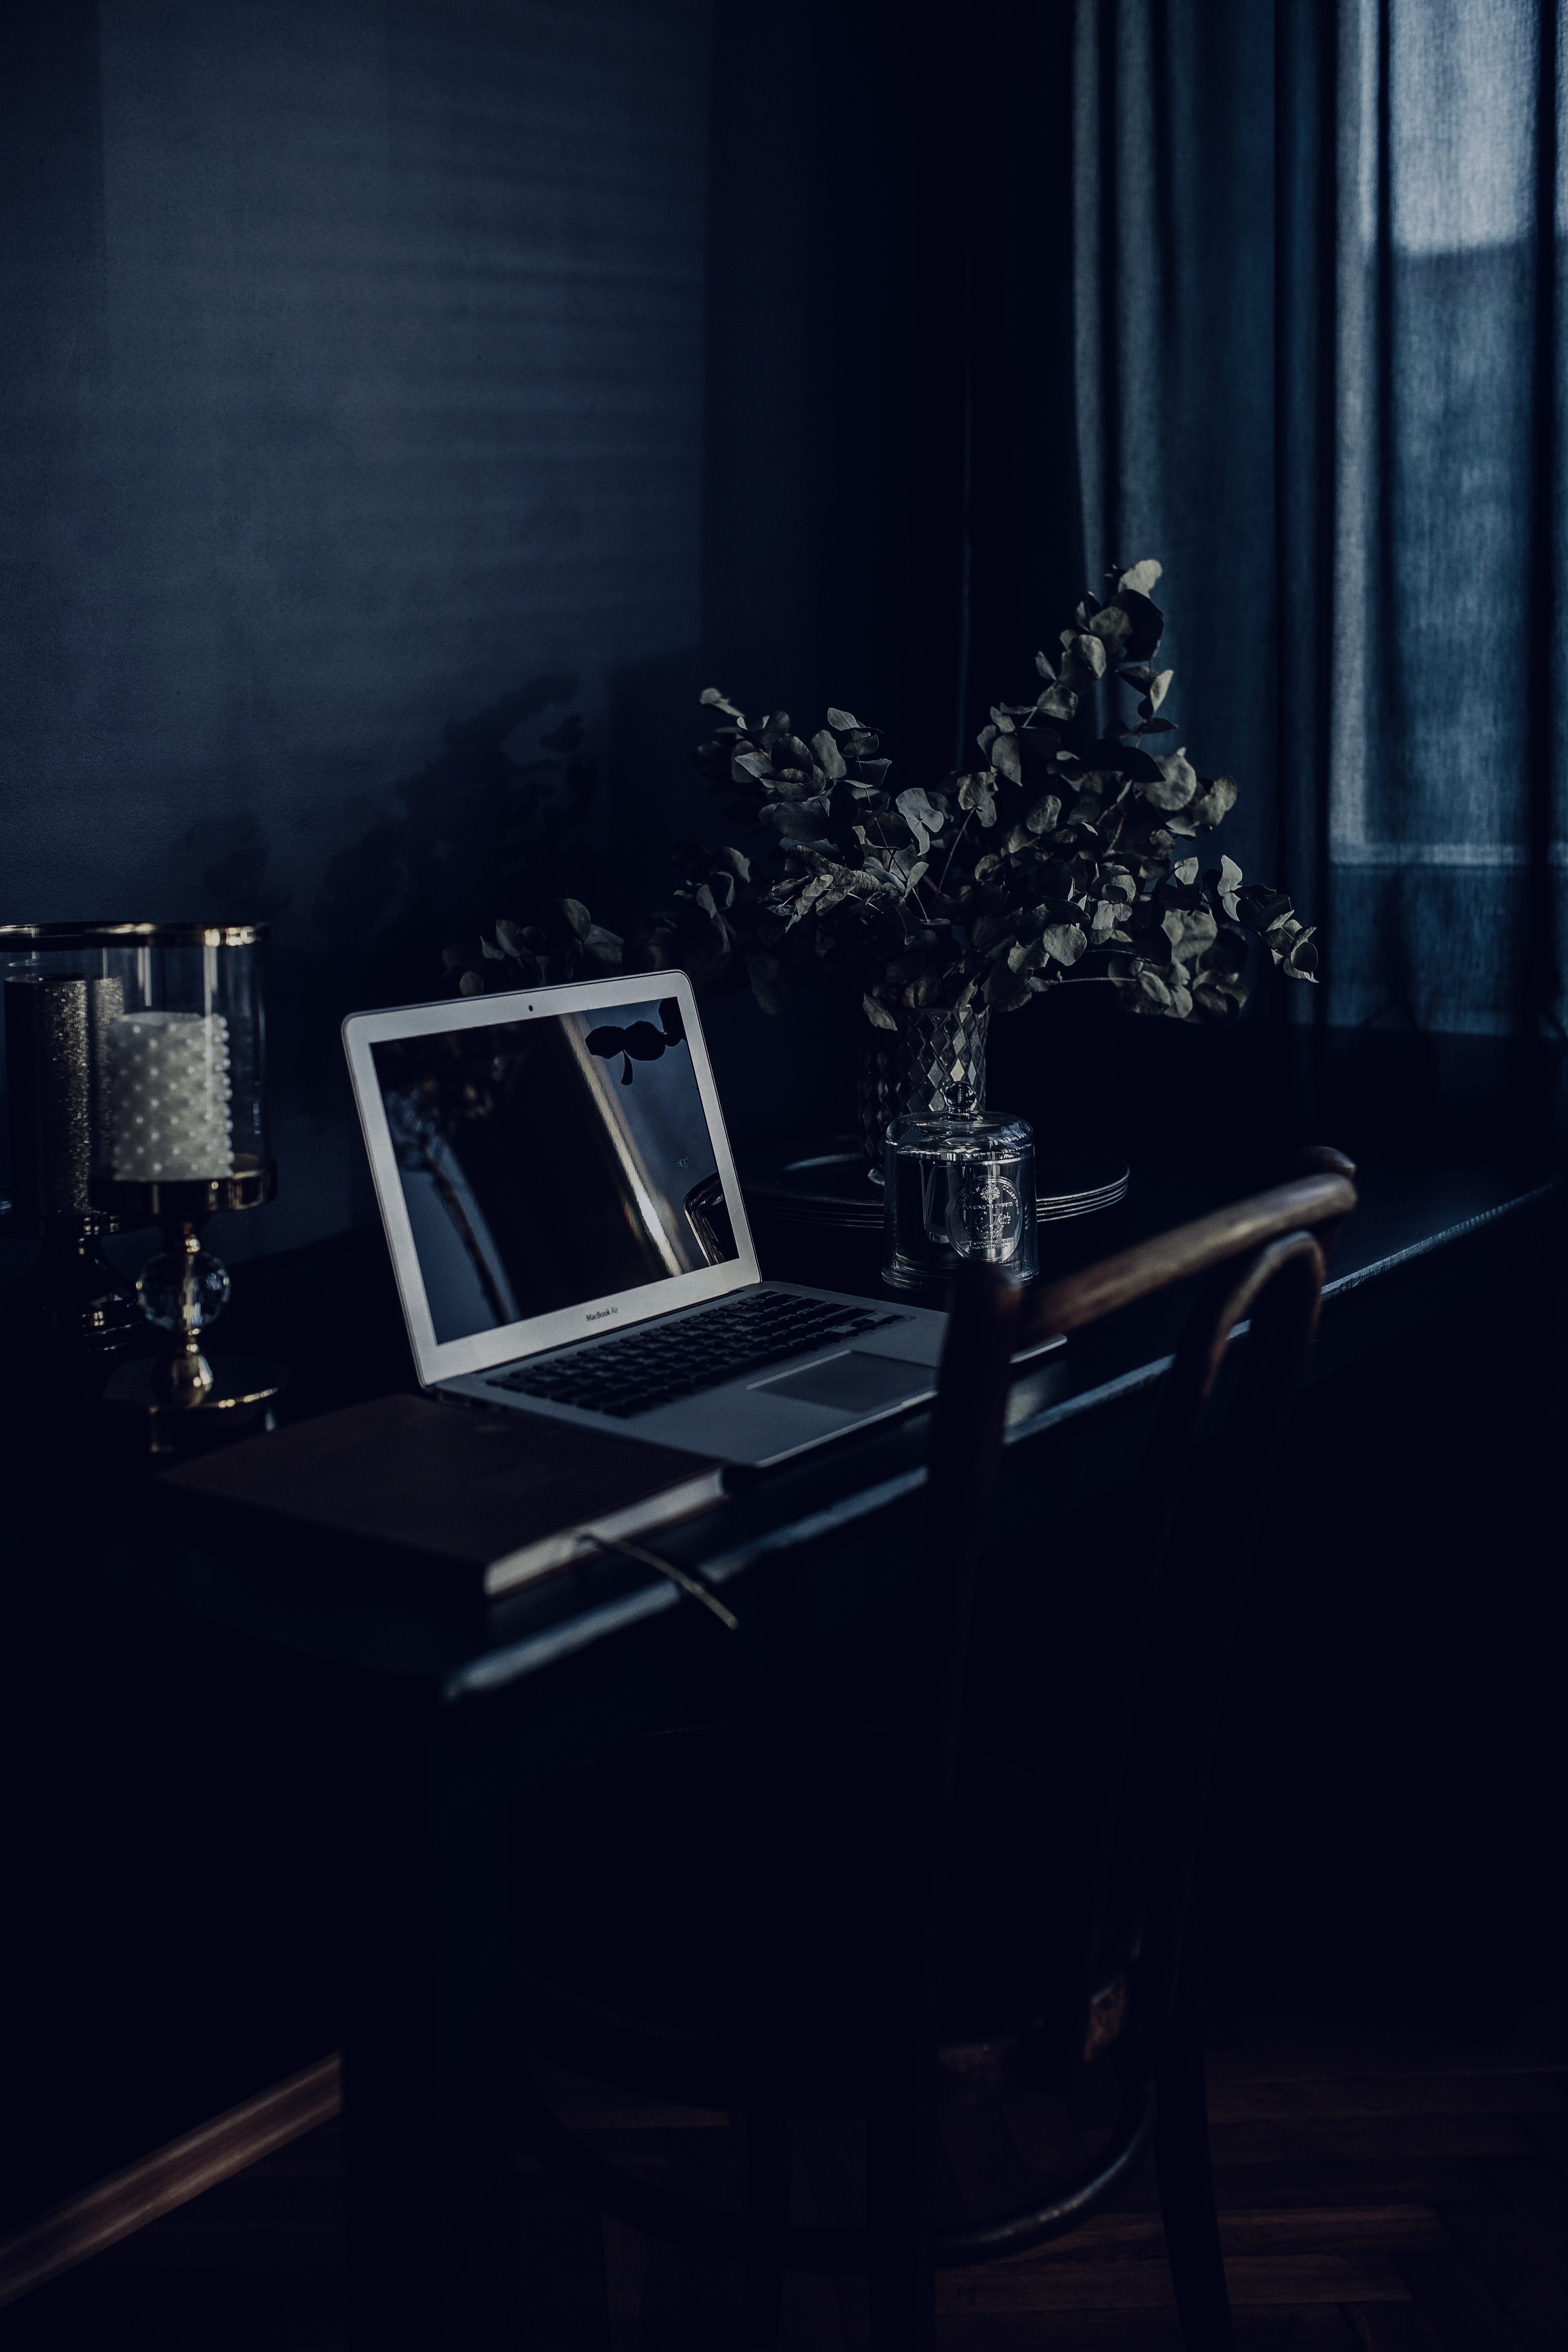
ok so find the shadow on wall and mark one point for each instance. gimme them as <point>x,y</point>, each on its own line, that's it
<point>523,803</point>
<point>502,815</point>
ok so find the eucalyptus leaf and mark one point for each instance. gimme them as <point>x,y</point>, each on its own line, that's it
<point>1176,783</point>
<point>1189,930</point>
<point>829,758</point>
<point>1113,628</point>
<point>918,810</point>
<point>975,794</point>
<point>1124,760</point>
<point>1142,577</point>
<point>1148,623</point>
<point>1213,801</point>
<point>1065,942</point>
<point>1259,909</point>
<point>843,722</point>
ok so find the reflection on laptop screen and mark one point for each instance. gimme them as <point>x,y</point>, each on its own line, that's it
<point>548,1161</point>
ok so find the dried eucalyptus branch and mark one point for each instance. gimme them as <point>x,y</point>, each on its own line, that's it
<point>1002,880</point>
<point>1067,854</point>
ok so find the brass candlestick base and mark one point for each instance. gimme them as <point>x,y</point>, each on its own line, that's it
<point>242,1390</point>
<point>183,1290</point>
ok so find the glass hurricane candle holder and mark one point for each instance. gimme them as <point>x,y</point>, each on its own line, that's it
<point>161,1118</point>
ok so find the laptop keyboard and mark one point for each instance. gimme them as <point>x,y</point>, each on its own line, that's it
<point>670,1360</point>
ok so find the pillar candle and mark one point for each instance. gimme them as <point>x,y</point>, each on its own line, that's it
<point>168,1097</point>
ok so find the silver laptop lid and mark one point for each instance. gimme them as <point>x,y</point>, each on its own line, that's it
<point>550,1164</point>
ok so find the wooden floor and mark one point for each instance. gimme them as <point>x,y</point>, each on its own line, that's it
<point>1382,2185</point>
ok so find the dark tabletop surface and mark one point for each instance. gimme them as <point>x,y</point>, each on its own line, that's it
<point>1414,1234</point>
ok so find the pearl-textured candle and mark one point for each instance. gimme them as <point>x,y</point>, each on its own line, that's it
<point>168,1097</point>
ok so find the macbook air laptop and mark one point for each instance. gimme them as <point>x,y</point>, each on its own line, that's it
<point>569,1235</point>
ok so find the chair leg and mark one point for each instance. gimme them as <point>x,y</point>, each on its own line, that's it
<point>1185,2174</point>
<point>767,2212</point>
<point>901,2277</point>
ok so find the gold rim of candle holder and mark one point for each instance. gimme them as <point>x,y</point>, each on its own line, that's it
<point>48,937</point>
<point>188,1198</point>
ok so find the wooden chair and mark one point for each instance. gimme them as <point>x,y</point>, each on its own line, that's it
<point>814,1919</point>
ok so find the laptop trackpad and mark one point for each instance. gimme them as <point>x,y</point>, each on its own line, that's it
<point>852,1382</point>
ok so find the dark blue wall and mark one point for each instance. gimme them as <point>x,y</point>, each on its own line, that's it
<point>407,409</point>
<point>352,394</point>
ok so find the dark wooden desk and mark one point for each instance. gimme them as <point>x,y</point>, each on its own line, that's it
<point>451,1724</point>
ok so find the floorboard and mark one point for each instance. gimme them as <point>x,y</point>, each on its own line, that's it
<point>1381,2189</point>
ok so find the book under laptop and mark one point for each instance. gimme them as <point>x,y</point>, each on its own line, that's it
<point>569,1237</point>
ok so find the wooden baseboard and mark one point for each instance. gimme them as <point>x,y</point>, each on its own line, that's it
<point>115,2208</point>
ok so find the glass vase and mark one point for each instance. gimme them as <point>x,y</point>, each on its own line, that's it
<point>933,1062</point>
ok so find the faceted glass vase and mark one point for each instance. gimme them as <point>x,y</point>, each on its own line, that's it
<point>933,1064</point>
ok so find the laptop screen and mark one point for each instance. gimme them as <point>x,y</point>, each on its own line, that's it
<point>549,1162</point>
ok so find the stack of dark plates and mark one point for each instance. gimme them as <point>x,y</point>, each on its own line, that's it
<point>825,1182</point>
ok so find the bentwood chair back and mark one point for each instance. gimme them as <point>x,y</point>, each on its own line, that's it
<point>881,1919</point>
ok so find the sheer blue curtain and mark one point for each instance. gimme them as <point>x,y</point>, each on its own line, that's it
<point>1315,350</point>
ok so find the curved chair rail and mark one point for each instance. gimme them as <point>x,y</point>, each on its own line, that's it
<point>732,2236</point>
<point>1013,2233</point>
<point>1197,1248</point>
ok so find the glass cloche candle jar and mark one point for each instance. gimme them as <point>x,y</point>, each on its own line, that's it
<point>958,1185</point>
